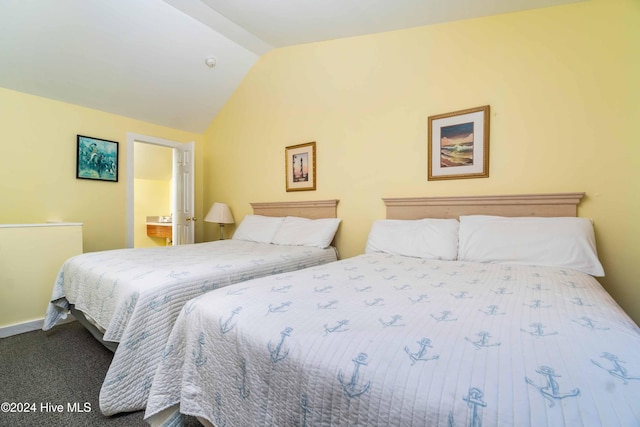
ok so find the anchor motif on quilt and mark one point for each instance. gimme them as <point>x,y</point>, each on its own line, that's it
<point>393,322</point>
<point>573,285</point>
<point>359,277</point>
<point>282,289</point>
<point>121,376</point>
<point>191,305</point>
<point>280,308</point>
<point>380,270</point>
<point>198,358</point>
<point>178,274</point>
<point>329,305</point>
<point>321,276</point>
<point>421,354</point>
<point>241,383</point>
<point>226,326</point>
<point>351,389</point>
<point>365,289</point>
<point>219,419</point>
<point>209,285</point>
<point>238,291</point>
<point>618,370</point>
<point>502,291</point>
<point>444,317</point>
<point>305,408</point>
<point>483,341</point>
<point>492,310</point>
<point>402,288</point>
<point>538,287</point>
<point>474,401</point>
<point>278,278</point>
<point>589,323</point>
<point>419,298</point>
<point>551,391</point>
<point>392,277</point>
<point>438,285</point>
<point>473,281</point>
<point>536,304</point>
<point>422,276</point>
<point>338,328</point>
<point>507,278</point>
<point>167,351</point>
<point>132,343</point>
<point>461,295</point>
<point>578,301</point>
<point>223,266</point>
<point>538,330</point>
<point>156,305</point>
<point>376,302</point>
<point>322,290</point>
<point>277,353</point>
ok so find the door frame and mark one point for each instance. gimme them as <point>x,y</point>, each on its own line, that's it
<point>132,138</point>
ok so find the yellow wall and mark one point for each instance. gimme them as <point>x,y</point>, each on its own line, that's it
<point>564,91</point>
<point>152,199</point>
<point>38,160</point>
<point>30,258</point>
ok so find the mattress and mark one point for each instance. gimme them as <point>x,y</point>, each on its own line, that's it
<point>386,340</point>
<point>134,295</point>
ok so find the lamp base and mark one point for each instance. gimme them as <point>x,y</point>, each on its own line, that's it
<point>221,231</point>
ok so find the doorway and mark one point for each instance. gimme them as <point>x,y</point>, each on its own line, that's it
<point>182,188</point>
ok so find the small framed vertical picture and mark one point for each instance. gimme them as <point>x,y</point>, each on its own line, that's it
<point>458,144</point>
<point>96,159</point>
<point>300,166</point>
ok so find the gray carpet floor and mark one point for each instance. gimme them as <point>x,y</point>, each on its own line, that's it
<point>63,366</point>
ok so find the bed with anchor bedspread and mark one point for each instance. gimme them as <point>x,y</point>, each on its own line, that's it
<point>384,340</point>
<point>135,295</point>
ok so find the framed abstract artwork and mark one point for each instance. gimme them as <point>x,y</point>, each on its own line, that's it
<point>96,159</point>
<point>300,167</point>
<point>458,145</point>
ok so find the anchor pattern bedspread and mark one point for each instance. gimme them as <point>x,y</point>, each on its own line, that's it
<point>382,340</point>
<point>135,295</point>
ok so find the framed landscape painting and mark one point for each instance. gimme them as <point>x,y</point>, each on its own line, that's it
<point>300,167</point>
<point>96,159</point>
<point>458,144</point>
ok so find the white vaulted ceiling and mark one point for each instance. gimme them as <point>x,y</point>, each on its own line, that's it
<point>145,59</point>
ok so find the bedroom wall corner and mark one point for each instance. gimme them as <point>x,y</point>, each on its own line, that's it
<point>563,89</point>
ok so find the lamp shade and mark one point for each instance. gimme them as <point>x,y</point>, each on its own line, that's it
<point>219,213</point>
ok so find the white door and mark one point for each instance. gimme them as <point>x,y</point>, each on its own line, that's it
<point>183,188</point>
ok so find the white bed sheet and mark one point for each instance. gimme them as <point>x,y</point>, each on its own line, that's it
<point>383,340</point>
<point>136,294</point>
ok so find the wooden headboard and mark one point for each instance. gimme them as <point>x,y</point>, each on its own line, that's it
<point>557,204</point>
<point>312,209</point>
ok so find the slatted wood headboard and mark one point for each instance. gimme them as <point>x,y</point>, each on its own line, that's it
<point>546,205</point>
<point>313,209</point>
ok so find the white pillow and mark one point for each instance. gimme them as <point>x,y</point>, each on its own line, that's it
<point>422,238</point>
<point>258,228</point>
<point>564,242</point>
<point>297,231</point>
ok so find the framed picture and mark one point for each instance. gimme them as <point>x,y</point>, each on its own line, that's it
<point>300,167</point>
<point>459,144</point>
<point>97,159</point>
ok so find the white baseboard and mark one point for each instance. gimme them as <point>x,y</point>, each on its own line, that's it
<point>33,325</point>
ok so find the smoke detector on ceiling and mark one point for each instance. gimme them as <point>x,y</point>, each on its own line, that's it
<point>211,62</point>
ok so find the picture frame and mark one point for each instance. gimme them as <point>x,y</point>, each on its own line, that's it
<point>300,167</point>
<point>96,159</point>
<point>458,144</point>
